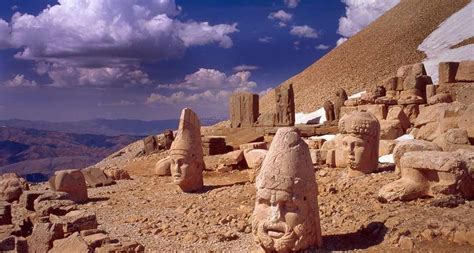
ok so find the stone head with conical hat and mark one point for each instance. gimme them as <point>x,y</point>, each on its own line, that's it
<point>286,214</point>
<point>186,155</point>
<point>361,132</point>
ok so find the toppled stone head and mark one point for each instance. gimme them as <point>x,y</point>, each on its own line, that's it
<point>186,155</point>
<point>286,214</point>
<point>361,132</point>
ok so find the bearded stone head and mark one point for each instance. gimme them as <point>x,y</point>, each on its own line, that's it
<point>286,214</point>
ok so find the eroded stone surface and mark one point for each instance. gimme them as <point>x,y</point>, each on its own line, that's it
<point>286,214</point>
<point>72,182</point>
<point>11,187</point>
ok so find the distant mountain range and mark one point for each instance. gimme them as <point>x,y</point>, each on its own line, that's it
<point>38,153</point>
<point>103,126</point>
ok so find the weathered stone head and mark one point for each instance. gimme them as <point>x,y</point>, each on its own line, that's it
<point>361,142</point>
<point>286,214</point>
<point>379,91</point>
<point>187,162</point>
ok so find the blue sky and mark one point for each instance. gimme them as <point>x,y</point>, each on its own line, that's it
<point>147,59</point>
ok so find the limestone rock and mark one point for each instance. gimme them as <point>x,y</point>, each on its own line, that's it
<point>53,203</point>
<point>42,237</point>
<point>329,110</point>
<point>465,72</point>
<point>397,113</point>
<point>5,213</point>
<point>315,143</point>
<point>214,145</point>
<point>163,167</point>
<point>466,122</point>
<point>390,129</point>
<point>447,72</point>
<point>432,173</point>
<point>453,139</point>
<point>75,221</point>
<point>95,177</point>
<point>71,182</point>
<point>116,173</point>
<point>379,111</point>
<point>28,198</point>
<point>253,145</point>
<point>11,187</point>
<point>72,244</point>
<point>244,109</point>
<point>403,147</point>
<point>386,147</point>
<point>232,159</point>
<point>129,247</point>
<point>440,98</point>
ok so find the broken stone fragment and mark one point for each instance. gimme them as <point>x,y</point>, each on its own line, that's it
<point>95,177</point>
<point>11,187</point>
<point>72,182</point>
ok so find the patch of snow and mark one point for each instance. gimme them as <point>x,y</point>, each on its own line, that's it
<point>326,137</point>
<point>405,137</point>
<point>452,31</point>
<point>386,159</point>
<point>303,118</point>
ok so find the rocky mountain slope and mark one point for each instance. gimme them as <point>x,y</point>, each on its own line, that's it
<point>27,151</point>
<point>370,56</point>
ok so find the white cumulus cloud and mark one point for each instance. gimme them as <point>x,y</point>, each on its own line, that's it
<point>292,3</point>
<point>322,47</point>
<point>304,31</point>
<point>281,15</point>
<point>4,34</point>
<point>266,39</point>
<point>19,81</point>
<point>360,13</point>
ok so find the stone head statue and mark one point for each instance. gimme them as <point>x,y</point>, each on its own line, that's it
<point>379,91</point>
<point>341,94</point>
<point>286,214</point>
<point>361,132</point>
<point>186,155</point>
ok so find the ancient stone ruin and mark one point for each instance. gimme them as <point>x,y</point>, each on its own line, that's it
<point>244,109</point>
<point>155,143</point>
<point>71,182</point>
<point>286,184</point>
<point>186,153</point>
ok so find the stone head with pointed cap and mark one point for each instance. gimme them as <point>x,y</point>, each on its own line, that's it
<point>286,214</point>
<point>186,155</point>
<point>361,132</point>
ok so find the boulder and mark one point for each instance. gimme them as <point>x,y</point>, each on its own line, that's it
<point>390,129</point>
<point>5,213</point>
<point>347,109</point>
<point>396,113</point>
<point>447,72</point>
<point>163,167</point>
<point>72,244</point>
<point>453,139</point>
<point>379,111</point>
<point>466,122</point>
<point>27,199</point>
<point>386,147</point>
<point>465,72</point>
<point>254,159</point>
<point>95,177</point>
<point>411,111</point>
<point>95,238</point>
<point>232,159</point>
<point>318,157</point>
<point>214,145</point>
<point>75,221</point>
<point>434,113</point>
<point>49,202</point>
<point>412,96</point>
<point>430,91</point>
<point>440,98</point>
<point>116,173</point>
<point>72,182</point>
<point>42,237</point>
<point>466,95</point>
<point>432,173</point>
<point>253,145</point>
<point>11,187</point>
<point>315,143</point>
<point>403,147</point>
<point>13,244</point>
<point>129,247</point>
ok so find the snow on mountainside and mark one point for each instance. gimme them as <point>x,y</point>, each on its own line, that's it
<point>454,30</point>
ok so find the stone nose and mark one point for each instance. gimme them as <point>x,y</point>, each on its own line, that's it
<point>275,215</point>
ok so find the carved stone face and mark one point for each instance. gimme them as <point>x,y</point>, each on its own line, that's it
<point>281,221</point>
<point>355,151</point>
<point>179,168</point>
